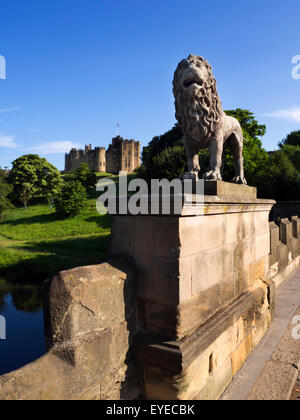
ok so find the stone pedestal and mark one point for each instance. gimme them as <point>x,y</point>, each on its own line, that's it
<point>203,294</point>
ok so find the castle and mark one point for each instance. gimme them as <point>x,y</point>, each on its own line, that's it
<point>121,156</point>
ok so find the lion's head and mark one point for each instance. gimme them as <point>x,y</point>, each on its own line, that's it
<point>198,106</point>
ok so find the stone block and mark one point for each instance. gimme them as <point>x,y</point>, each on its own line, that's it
<point>167,242</point>
<point>122,242</point>
<point>143,237</point>
<point>158,318</point>
<point>200,233</point>
<point>240,355</point>
<point>286,233</point>
<point>159,280</point>
<point>86,299</point>
<point>261,222</point>
<point>198,309</point>
<point>274,242</point>
<point>211,267</point>
<point>296,227</point>
<point>216,383</point>
<point>227,190</point>
<point>261,246</point>
<point>239,226</point>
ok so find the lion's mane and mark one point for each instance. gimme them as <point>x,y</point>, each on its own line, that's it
<point>198,114</point>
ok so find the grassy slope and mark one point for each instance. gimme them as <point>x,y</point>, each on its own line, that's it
<point>35,243</point>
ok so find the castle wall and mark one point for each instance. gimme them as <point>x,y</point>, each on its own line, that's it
<point>121,155</point>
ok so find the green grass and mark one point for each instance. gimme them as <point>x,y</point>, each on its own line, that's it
<point>104,175</point>
<point>35,243</point>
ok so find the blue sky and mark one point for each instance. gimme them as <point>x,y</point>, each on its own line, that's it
<point>75,68</point>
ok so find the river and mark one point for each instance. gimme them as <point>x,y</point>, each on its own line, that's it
<point>21,324</point>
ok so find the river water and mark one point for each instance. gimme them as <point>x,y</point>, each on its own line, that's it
<point>21,324</point>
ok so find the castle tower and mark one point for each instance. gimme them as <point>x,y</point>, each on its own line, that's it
<point>100,159</point>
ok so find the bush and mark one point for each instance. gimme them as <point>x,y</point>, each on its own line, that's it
<point>71,200</point>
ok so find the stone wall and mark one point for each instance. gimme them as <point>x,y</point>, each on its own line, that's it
<point>90,319</point>
<point>285,249</point>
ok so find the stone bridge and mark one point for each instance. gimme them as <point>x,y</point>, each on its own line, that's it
<point>176,311</point>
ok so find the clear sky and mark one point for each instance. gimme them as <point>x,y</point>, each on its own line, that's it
<point>75,68</point>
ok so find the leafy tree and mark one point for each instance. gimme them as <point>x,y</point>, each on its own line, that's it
<point>293,153</point>
<point>282,181</point>
<point>248,122</point>
<point>157,145</point>
<point>34,177</point>
<point>293,139</point>
<point>256,159</point>
<point>85,176</point>
<point>71,199</point>
<point>170,163</point>
<point>5,191</point>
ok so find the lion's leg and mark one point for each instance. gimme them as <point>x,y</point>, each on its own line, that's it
<point>193,158</point>
<point>237,150</point>
<point>216,153</point>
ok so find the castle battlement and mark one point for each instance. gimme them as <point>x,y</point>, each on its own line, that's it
<point>122,155</point>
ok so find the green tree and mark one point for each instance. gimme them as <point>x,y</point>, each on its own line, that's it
<point>157,145</point>
<point>293,139</point>
<point>256,158</point>
<point>71,199</point>
<point>293,153</point>
<point>5,191</point>
<point>282,180</point>
<point>248,122</point>
<point>170,163</point>
<point>85,176</point>
<point>34,177</point>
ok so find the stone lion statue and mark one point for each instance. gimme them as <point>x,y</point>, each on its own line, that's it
<point>203,121</point>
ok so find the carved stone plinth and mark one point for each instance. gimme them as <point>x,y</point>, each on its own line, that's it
<point>202,289</point>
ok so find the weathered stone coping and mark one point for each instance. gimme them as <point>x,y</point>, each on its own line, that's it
<point>210,205</point>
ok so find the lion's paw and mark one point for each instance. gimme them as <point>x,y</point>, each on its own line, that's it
<point>190,175</point>
<point>212,176</point>
<point>239,180</point>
